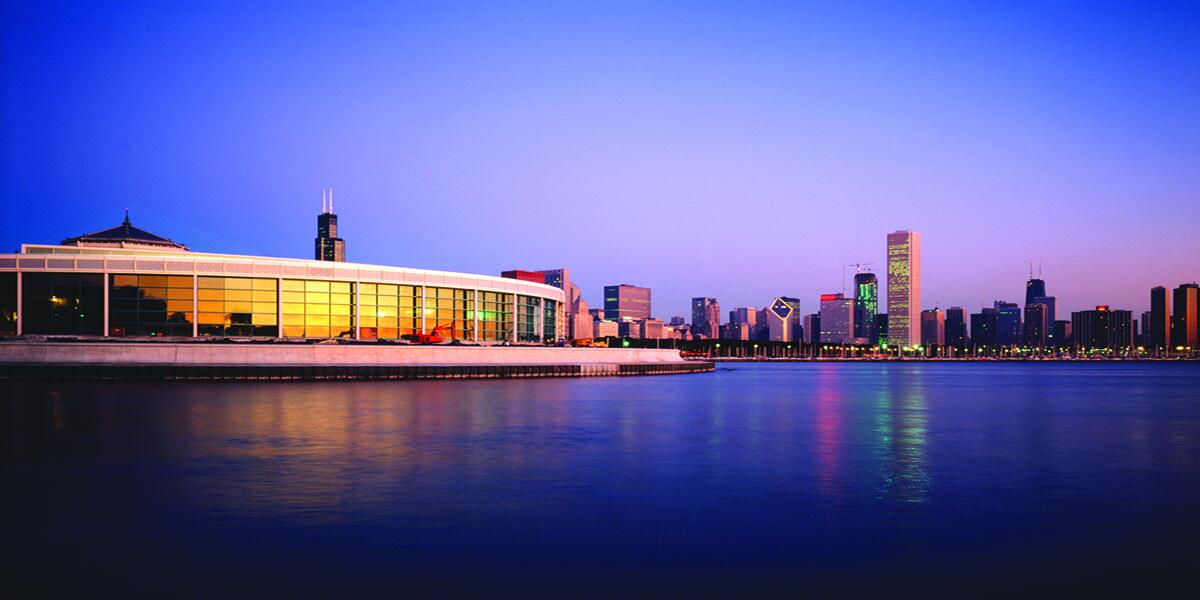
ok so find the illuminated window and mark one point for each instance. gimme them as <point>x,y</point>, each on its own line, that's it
<point>388,311</point>
<point>237,306</point>
<point>550,324</point>
<point>527,315</point>
<point>495,316</point>
<point>152,305</point>
<point>452,310</point>
<point>318,309</point>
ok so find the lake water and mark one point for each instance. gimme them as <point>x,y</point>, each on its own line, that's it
<point>941,478</point>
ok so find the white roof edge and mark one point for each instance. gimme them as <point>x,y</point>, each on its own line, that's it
<point>147,253</point>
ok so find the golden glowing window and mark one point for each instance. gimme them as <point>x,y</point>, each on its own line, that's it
<point>237,306</point>
<point>389,311</point>
<point>495,316</point>
<point>452,310</point>
<point>317,309</point>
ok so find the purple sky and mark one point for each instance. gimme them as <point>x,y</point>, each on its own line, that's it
<point>741,151</point>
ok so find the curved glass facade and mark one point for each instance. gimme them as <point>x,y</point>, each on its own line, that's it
<point>60,290</point>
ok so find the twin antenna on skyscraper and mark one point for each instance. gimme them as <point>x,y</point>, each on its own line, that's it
<point>327,201</point>
<point>1031,268</point>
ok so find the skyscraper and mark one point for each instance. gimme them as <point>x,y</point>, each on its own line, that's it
<point>1102,328</point>
<point>1034,288</point>
<point>933,327</point>
<point>706,317</point>
<point>328,245</point>
<point>1183,321</point>
<point>812,328</point>
<point>837,319</point>
<point>1160,319</point>
<point>1008,323</point>
<point>866,305</point>
<point>626,301</point>
<point>783,320</point>
<point>1036,325</point>
<point>956,327</point>
<point>904,288</point>
<point>983,328</point>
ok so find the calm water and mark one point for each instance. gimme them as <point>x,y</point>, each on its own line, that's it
<point>836,475</point>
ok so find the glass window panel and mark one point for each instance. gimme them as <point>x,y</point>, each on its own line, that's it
<point>237,283</point>
<point>339,287</point>
<point>264,319</point>
<point>125,280</point>
<point>180,293</point>
<point>293,297</point>
<point>316,286</point>
<point>264,307</point>
<point>293,285</point>
<point>339,298</point>
<point>180,281</point>
<point>269,285</point>
<point>316,320</point>
<point>205,306</point>
<point>242,295</point>
<point>215,283</point>
<point>367,288</point>
<point>294,309</point>
<point>177,305</point>
<point>263,295</point>
<point>293,319</point>
<point>293,331</point>
<point>339,309</point>
<point>152,281</point>
<point>316,298</point>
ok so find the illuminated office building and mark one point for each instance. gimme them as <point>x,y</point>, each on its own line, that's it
<point>127,282</point>
<point>866,306</point>
<point>956,327</point>
<point>904,288</point>
<point>837,319</point>
<point>1102,329</point>
<point>626,301</point>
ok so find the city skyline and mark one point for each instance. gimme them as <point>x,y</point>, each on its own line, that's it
<point>958,124</point>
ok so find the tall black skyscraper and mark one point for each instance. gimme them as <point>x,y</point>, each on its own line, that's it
<point>866,306</point>
<point>1008,323</point>
<point>328,245</point>
<point>1184,326</point>
<point>1034,288</point>
<point>956,327</point>
<point>1160,318</point>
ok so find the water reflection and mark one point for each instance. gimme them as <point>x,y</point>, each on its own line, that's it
<point>901,433</point>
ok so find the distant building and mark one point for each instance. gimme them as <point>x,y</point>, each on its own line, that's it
<point>1034,288</point>
<point>328,246</point>
<point>677,321</point>
<point>626,301</point>
<point>596,313</point>
<point>956,327</point>
<point>881,327</point>
<point>651,329</point>
<point>1160,318</point>
<point>866,306</point>
<point>1008,323</point>
<point>1144,338</point>
<point>735,331</point>
<point>1062,334</point>
<point>1184,318</point>
<point>812,328</point>
<point>629,328</point>
<point>534,276</point>
<point>1037,325</point>
<point>1102,328</point>
<point>601,329</point>
<point>576,321</point>
<point>904,288</point>
<point>783,319</point>
<point>706,317</point>
<point>983,328</point>
<point>933,327</point>
<point>837,319</point>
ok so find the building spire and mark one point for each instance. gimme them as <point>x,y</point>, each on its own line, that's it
<point>331,201</point>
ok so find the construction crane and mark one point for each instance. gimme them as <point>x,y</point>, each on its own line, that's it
<point>858,268</point>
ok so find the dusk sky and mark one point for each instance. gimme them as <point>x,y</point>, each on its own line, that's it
<point>741,151</point>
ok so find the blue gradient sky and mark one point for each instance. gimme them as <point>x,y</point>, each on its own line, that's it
<point>739,151</point>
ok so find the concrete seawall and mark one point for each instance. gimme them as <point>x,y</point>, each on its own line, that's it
<point>118,360</point>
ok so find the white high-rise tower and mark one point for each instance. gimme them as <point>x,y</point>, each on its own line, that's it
<point>904,288</point>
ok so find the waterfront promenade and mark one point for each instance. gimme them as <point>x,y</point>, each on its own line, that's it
<point>22,359</point>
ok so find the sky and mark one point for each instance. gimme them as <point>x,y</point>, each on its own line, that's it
<point>739,151</point>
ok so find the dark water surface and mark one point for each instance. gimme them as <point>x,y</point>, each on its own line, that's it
<point>934,477</point>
